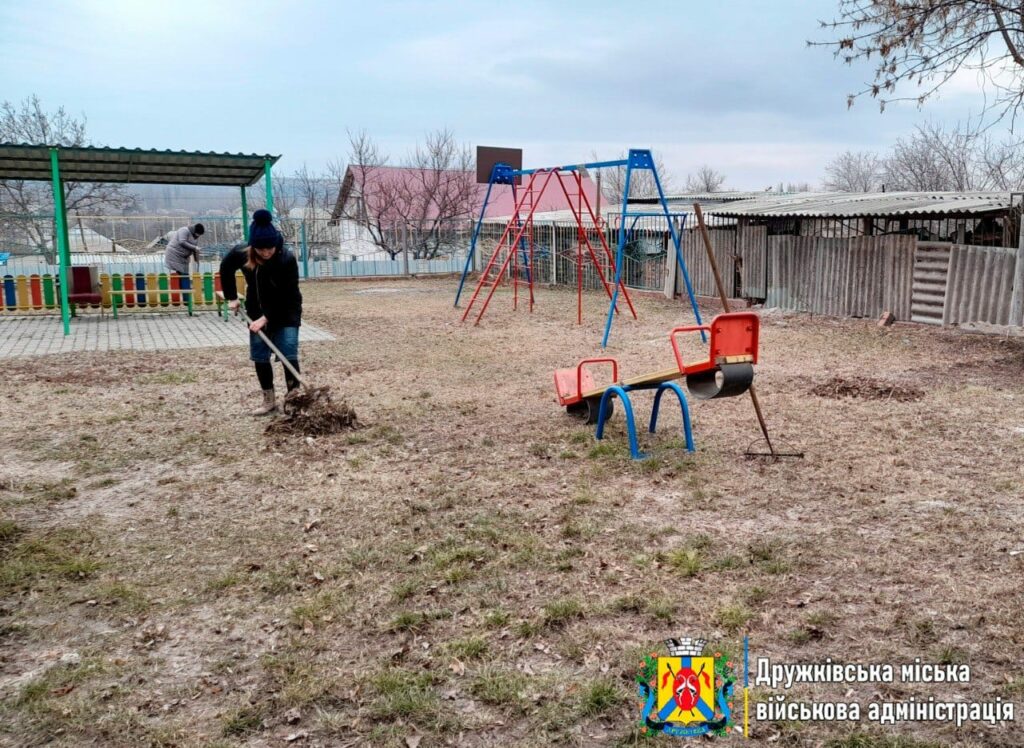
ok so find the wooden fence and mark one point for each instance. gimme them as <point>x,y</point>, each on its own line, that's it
<point>979,284</point>
<point>23,294</point>
<point>702,278</point>
<point>928,282</point>
<point>854,277</point>
<point>752,254</point>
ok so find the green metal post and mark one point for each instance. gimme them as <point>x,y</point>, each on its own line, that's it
<point>270,189</point>
<point>305,251</point>
<point>61,221</point>
<point>245,217</point>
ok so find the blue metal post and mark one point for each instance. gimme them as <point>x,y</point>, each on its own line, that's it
<point>679,251</point>
<point>619,254</point>
<point>476,234</point>
<point>746,661</point>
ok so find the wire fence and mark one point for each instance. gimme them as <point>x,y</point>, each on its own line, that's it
<point>136,244</point>
<point>562,253</point>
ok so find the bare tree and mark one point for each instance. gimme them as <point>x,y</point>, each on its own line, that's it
<point>705,179</point>
<point>439,193</point>
<point>936,158</point>
<point>365,198</point>
<point>315,194</point>
<point>915,165</point>
<point>924,43</point>
<point>641,181</point>
<point>854,171</point>
<point>318,191</point>
<point>29,205</point>
<point>1002,165</point>
<point>417,207</point>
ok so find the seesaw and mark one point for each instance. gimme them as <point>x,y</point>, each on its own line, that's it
<point>728,371</point>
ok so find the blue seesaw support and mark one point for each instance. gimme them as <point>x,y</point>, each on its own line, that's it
<point>622,392</point>
<point>687,431</point>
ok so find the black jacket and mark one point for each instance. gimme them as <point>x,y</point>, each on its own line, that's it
<point>272,289</point>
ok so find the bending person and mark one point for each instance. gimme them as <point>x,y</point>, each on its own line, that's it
<point>182,246</point>
<point>272,301</point>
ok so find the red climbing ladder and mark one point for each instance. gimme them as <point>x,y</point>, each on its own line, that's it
<point>518,238</point>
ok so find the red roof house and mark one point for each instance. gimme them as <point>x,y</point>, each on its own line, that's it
<point>398,194</point>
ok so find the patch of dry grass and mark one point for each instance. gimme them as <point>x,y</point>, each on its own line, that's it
<point>472,566</point>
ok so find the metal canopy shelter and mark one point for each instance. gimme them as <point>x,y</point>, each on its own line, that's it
<point>60,164</point>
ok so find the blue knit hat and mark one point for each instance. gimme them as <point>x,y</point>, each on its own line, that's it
<point>262,234</point>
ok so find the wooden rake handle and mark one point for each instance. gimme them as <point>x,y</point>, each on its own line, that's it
<point>280,356</point>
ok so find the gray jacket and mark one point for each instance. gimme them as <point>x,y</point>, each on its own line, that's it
<point>181,246</point>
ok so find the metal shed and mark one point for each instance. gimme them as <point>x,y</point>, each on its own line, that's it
<point>989,218</point>
<point>59,164</point>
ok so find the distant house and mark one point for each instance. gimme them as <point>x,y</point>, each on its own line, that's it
<point>384,201</point>
<point>376,180</point>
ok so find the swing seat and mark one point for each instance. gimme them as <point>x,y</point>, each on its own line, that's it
<point>578,393</point>
<point>82,290</point>
<point>577,384</point>
<point>732,352</point>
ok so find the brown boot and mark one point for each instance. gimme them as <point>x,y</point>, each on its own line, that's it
<point>269,404</point>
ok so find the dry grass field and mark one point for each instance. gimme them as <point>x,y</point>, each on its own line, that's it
<point>471,567</point>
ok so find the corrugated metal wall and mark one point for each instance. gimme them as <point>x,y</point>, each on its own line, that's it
<point>979,285</point>
<point>857,277</point>
<point>752,248</point>
<point>723,242</point>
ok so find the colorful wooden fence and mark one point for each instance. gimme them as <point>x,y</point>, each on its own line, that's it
<point>25,294</point>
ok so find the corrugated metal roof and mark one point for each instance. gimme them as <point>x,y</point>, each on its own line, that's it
<point>611,214</point>
<point>727,196</point>
<point>95,164</point>
<point>608,212</point>
<point>857,204</point>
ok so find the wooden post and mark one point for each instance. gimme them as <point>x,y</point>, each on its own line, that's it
<point>711,256</point>
<point>725,307</point>
<point>81,232</point>
<point>1017,297</point>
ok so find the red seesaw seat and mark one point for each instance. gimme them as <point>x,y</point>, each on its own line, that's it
<point>728,370</point>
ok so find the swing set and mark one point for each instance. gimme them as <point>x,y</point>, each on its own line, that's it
<point>514,254</point>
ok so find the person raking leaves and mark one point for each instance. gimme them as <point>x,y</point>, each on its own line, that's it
<point>272,301</point>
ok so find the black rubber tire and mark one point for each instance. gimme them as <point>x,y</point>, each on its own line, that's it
<point>588,410</point>
<point>728,380</point>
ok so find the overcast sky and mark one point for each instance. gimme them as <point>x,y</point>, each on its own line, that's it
<point>732,83</point>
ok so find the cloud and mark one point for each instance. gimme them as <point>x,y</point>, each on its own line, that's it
<point>733,85</point>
